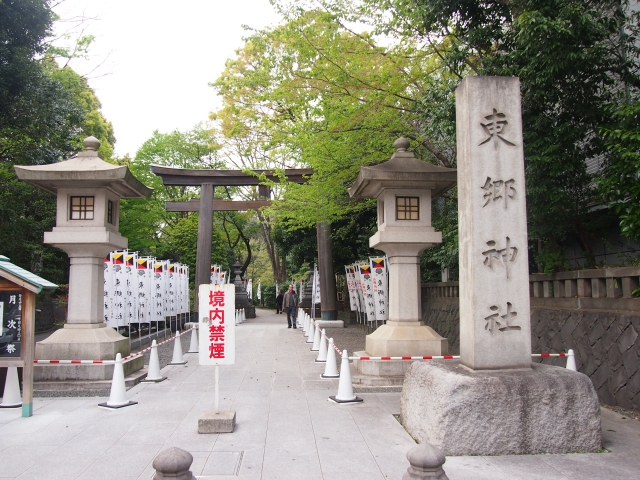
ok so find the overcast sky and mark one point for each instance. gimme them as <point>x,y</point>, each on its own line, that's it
<point>152,60</point>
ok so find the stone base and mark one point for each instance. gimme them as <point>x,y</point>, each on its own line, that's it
<point>83,342</point>
<point>221,422</point>
<point>379,373</point>
<point>330,323</point>
<point>249,311</point>
<point>542,409</point>
<point>396,340</point>
<point>84,388</point>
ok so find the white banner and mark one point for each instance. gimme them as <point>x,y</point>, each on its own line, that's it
<point>367,291</point>
<point>143,279</point>
<point>250,288</point>
<point>259,292</point>
<point>380,276</point>
<point>316,285</point>
<point>158,291</point>
<point>109,315</point>
<point>217,324</point>
<point>131,259</point>
<point>351,287</point>
<point>172,289</point>
<point>358,285</point>
<point>119,290</point>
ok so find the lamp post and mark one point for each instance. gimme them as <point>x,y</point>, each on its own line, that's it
<point>404,187</point>
<point>88,192</point>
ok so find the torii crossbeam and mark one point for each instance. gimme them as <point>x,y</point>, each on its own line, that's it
<point>207,180</point>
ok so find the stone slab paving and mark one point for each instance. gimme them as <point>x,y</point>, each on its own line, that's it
<point>286,428</point>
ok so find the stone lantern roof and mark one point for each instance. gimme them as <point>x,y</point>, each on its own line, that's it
<point>403,170</point>
<point>85,170</point>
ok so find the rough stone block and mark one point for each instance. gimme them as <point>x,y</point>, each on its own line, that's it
<point>221,422</point>
<point>607,319</point>
<point>595,333</point>
<point>627,339</point>
<point>525,411</point>
<point>601,375</point>
<point>617,380</point>
<point>631,361</point>
<point>581,328</point>
<point>610,337</point>
<point>623,398</point>
<point>633,385</point>
<point>567,329</point>
<point>614,359</point>
<point>599,353</point>
<point>605,395</point>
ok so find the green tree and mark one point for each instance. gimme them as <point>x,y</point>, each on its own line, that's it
<point>45,112</point>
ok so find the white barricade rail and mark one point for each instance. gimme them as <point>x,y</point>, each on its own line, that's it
<point>126,359</point>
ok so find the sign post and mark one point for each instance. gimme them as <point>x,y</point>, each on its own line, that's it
<point>217,347</point>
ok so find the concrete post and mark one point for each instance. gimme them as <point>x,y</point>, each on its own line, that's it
<point>173,463</point>
<point>426,463</point>
<point>327,277</point>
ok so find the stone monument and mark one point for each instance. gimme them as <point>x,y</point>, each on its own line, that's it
<point>88,191</point>
<point>495,401</point>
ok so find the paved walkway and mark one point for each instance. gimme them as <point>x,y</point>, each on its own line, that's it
<point>286,428</point>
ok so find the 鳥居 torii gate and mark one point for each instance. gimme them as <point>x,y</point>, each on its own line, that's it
<point>207,180</point>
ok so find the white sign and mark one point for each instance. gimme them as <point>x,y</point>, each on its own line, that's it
<point>217,324</point>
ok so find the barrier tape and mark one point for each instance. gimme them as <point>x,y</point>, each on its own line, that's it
<point>126,359</point>
<point>424,357</point>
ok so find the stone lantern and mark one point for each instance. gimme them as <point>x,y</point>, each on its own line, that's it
<point>88,191</point>
<point>404,187</point>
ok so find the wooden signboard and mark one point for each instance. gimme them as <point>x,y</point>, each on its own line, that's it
<point>18,289</point>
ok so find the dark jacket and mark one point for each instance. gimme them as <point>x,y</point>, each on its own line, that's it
<point>279,301</point>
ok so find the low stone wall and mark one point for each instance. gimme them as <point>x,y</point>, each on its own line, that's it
<point>605,340</point>
<point>606,347</point>
<point>443,315</point>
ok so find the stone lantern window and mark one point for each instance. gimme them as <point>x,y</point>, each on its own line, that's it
<point>407,208</point>
<point>110,213</point>
<point>82,208</point>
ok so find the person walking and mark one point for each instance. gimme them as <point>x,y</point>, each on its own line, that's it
<point>290,303</point>
<point>279,299</point>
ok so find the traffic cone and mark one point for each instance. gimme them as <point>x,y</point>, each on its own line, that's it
<point>193,346</point>
<point>118,396</point>
<point>237,319</point>
<point>316,340</point>
<point>322,352</point>
<point>345,387</point>
<point>177,352</point>
<point>311,334</point>
<point>11,397</point>
<point>571,361</point>
<point>243,317</point>
<point>305,324</point>
<point>154,375</point>
<point>330,368</point>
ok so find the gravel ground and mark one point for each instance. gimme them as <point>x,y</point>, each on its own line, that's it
<point>165,352</point>
<point>351,338</point>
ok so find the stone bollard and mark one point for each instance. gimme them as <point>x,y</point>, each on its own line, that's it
<point>426,463</point>
<point>173,463</point>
